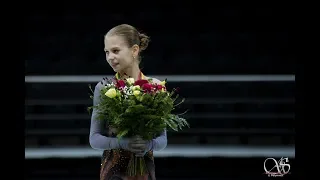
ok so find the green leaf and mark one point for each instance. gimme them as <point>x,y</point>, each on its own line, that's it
<point>122,133</point>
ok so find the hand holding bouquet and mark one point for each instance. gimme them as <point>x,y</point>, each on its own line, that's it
<point>139,108</point>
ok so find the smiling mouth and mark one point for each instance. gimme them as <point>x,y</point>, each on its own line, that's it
<point>114,65</point>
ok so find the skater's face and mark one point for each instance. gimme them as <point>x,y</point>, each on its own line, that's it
<point>118,54</point>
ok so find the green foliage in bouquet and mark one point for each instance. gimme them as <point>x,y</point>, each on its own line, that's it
<point>139,108</point>
<point>134,109</point>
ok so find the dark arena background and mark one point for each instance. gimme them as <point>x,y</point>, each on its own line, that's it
<point>232,65</point>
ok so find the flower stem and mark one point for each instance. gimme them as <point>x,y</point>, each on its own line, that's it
<point>136,166</point>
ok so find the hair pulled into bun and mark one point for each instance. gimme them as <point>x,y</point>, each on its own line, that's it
<point>144,41</point>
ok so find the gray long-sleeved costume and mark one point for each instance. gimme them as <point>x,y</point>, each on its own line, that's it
<point>99,141</point>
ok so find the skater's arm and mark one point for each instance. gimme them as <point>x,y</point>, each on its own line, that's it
<point>158,143</point>
<point>96,139</point>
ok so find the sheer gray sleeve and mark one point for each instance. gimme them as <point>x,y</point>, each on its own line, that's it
<point>158,143</point>
<point>96,139</point>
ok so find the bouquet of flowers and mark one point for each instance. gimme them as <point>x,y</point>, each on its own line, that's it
<point>139,108</point>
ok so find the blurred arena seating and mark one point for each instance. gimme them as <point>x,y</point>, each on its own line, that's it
<point>239,90</point>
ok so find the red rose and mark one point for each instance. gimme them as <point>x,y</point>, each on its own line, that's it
<point>141,82</point>
<point>147,87</point>
<point>154,86</point>
<point>120,84</point>
<point>159,87</point>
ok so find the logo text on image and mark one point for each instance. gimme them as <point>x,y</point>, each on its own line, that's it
<point>274,168</point>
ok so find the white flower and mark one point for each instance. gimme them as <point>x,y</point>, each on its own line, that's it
<point>136,87</point>
<point>136,93</point>
<point>127,90</point>
<point>130,80</point>
<point>109,85</point>
<point>111,93</point>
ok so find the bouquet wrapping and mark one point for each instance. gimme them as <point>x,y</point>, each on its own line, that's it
<point>138,108</point>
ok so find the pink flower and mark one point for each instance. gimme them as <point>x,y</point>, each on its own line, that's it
<point>147,87</point>
<point>141,82</point>
<point>120,84</point>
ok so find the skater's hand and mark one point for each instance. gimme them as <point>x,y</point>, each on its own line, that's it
<point>146,147</point>
<point>135,144</point>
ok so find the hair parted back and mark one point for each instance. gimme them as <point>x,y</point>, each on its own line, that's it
<point>131,35</point>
